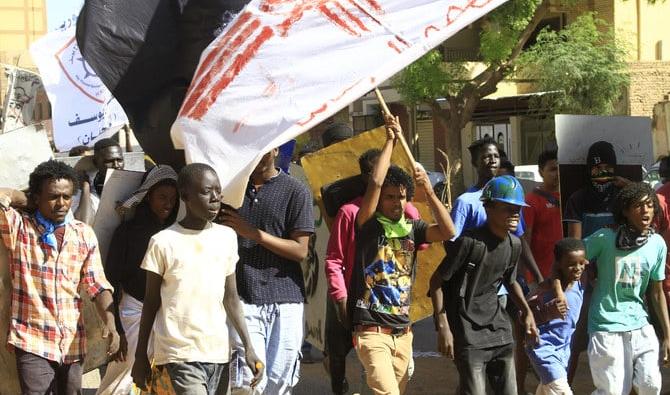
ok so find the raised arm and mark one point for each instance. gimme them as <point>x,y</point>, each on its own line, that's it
<point>17,198</point>
<point>444,228</point>
<point>373,190</point>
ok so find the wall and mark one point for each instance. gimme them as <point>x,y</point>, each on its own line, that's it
<point>649,82</point>
<point>645,27</point>
<point>21,23</point>
<point>660,126</point>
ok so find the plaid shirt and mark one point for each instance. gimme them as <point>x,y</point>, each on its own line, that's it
<point>46,308</point>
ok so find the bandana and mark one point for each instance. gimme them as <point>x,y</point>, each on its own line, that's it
<point>394,229</point>
<point>629,238</point>
<point>602,180</point>
<point>47,237</point>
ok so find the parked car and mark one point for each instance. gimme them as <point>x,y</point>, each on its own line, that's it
<point>527,172</point>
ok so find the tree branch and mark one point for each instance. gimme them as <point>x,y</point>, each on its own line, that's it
<point>540,13</point>
<point>493,74</point>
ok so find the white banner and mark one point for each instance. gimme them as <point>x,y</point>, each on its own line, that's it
<point>22,89</point>
<point>281,67</point>
<point>631,137</point>
<point>83,109</point>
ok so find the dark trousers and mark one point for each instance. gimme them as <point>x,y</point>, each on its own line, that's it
<point>40,376</point>
<point>494,364</point>
<point>339,342</point>
<point>196,378</point>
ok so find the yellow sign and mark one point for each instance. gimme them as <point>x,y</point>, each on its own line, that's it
<point>340,161</point>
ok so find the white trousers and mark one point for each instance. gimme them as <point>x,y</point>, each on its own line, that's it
<point>117,380</point>
<point>556,387</point>
<point>621,361</point>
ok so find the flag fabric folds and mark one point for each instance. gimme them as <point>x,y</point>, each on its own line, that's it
<point>281,67</point>
<point>83,109</point>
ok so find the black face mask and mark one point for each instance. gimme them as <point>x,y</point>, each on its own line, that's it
<point>629,238</point>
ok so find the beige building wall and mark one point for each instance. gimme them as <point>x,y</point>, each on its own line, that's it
<point>21,23</point>
<point>645,27</point>
<point>649,83</point>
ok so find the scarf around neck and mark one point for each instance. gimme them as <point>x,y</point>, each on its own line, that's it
<point>629,238</point>
<point>394,229</point>
<point>50,227</point>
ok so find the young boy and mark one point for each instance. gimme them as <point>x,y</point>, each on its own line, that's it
<point>464,291</point>
<point>630,261</point>
<point>185,265</point>
<point>381,282</point>
<point>551,354</point>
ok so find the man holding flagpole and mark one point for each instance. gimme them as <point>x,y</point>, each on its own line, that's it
<point>384,269</point>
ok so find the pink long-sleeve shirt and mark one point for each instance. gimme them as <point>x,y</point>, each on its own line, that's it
<point>340,254</point>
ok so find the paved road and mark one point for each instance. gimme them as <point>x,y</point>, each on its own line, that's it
<point>433,374</point>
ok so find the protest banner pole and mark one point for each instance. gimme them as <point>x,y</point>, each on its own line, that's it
<point>11,82</point>
<point>403,142</point>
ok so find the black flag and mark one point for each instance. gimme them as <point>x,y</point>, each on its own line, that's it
<point>146,52</point>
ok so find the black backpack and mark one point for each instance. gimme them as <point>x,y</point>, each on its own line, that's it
<point>470,256</point>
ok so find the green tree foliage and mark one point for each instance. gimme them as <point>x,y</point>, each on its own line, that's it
<point>584,63</point>
<point>503,27</point>
<point>586,50</point>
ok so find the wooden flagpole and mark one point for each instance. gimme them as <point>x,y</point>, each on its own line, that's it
<point>403,142</point>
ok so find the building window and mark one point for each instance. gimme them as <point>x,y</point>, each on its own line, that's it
<point>500,132</point>
<point>537,135</point>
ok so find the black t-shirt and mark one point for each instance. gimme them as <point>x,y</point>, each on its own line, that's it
<point>485,323</point>
<point>281,206</point>
<point>592,209</point>
<point>383,273</point>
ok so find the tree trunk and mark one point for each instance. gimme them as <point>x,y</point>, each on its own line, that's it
<point>450,139</point>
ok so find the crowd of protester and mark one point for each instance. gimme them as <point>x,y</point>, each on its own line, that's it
<point>219,293</point>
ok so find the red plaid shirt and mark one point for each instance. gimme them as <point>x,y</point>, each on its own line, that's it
<point>46,308</point>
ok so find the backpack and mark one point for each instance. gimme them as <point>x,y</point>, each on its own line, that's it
<point>470,256</point>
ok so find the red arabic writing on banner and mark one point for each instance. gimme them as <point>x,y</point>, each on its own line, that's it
<point>247,34</point>
<point>245,37</point>
<point>454,12</point>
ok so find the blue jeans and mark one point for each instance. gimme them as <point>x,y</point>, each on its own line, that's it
<point>195,378</point>
<point>276,332</point>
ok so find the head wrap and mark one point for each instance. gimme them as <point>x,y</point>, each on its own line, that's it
<point>153,177</point>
